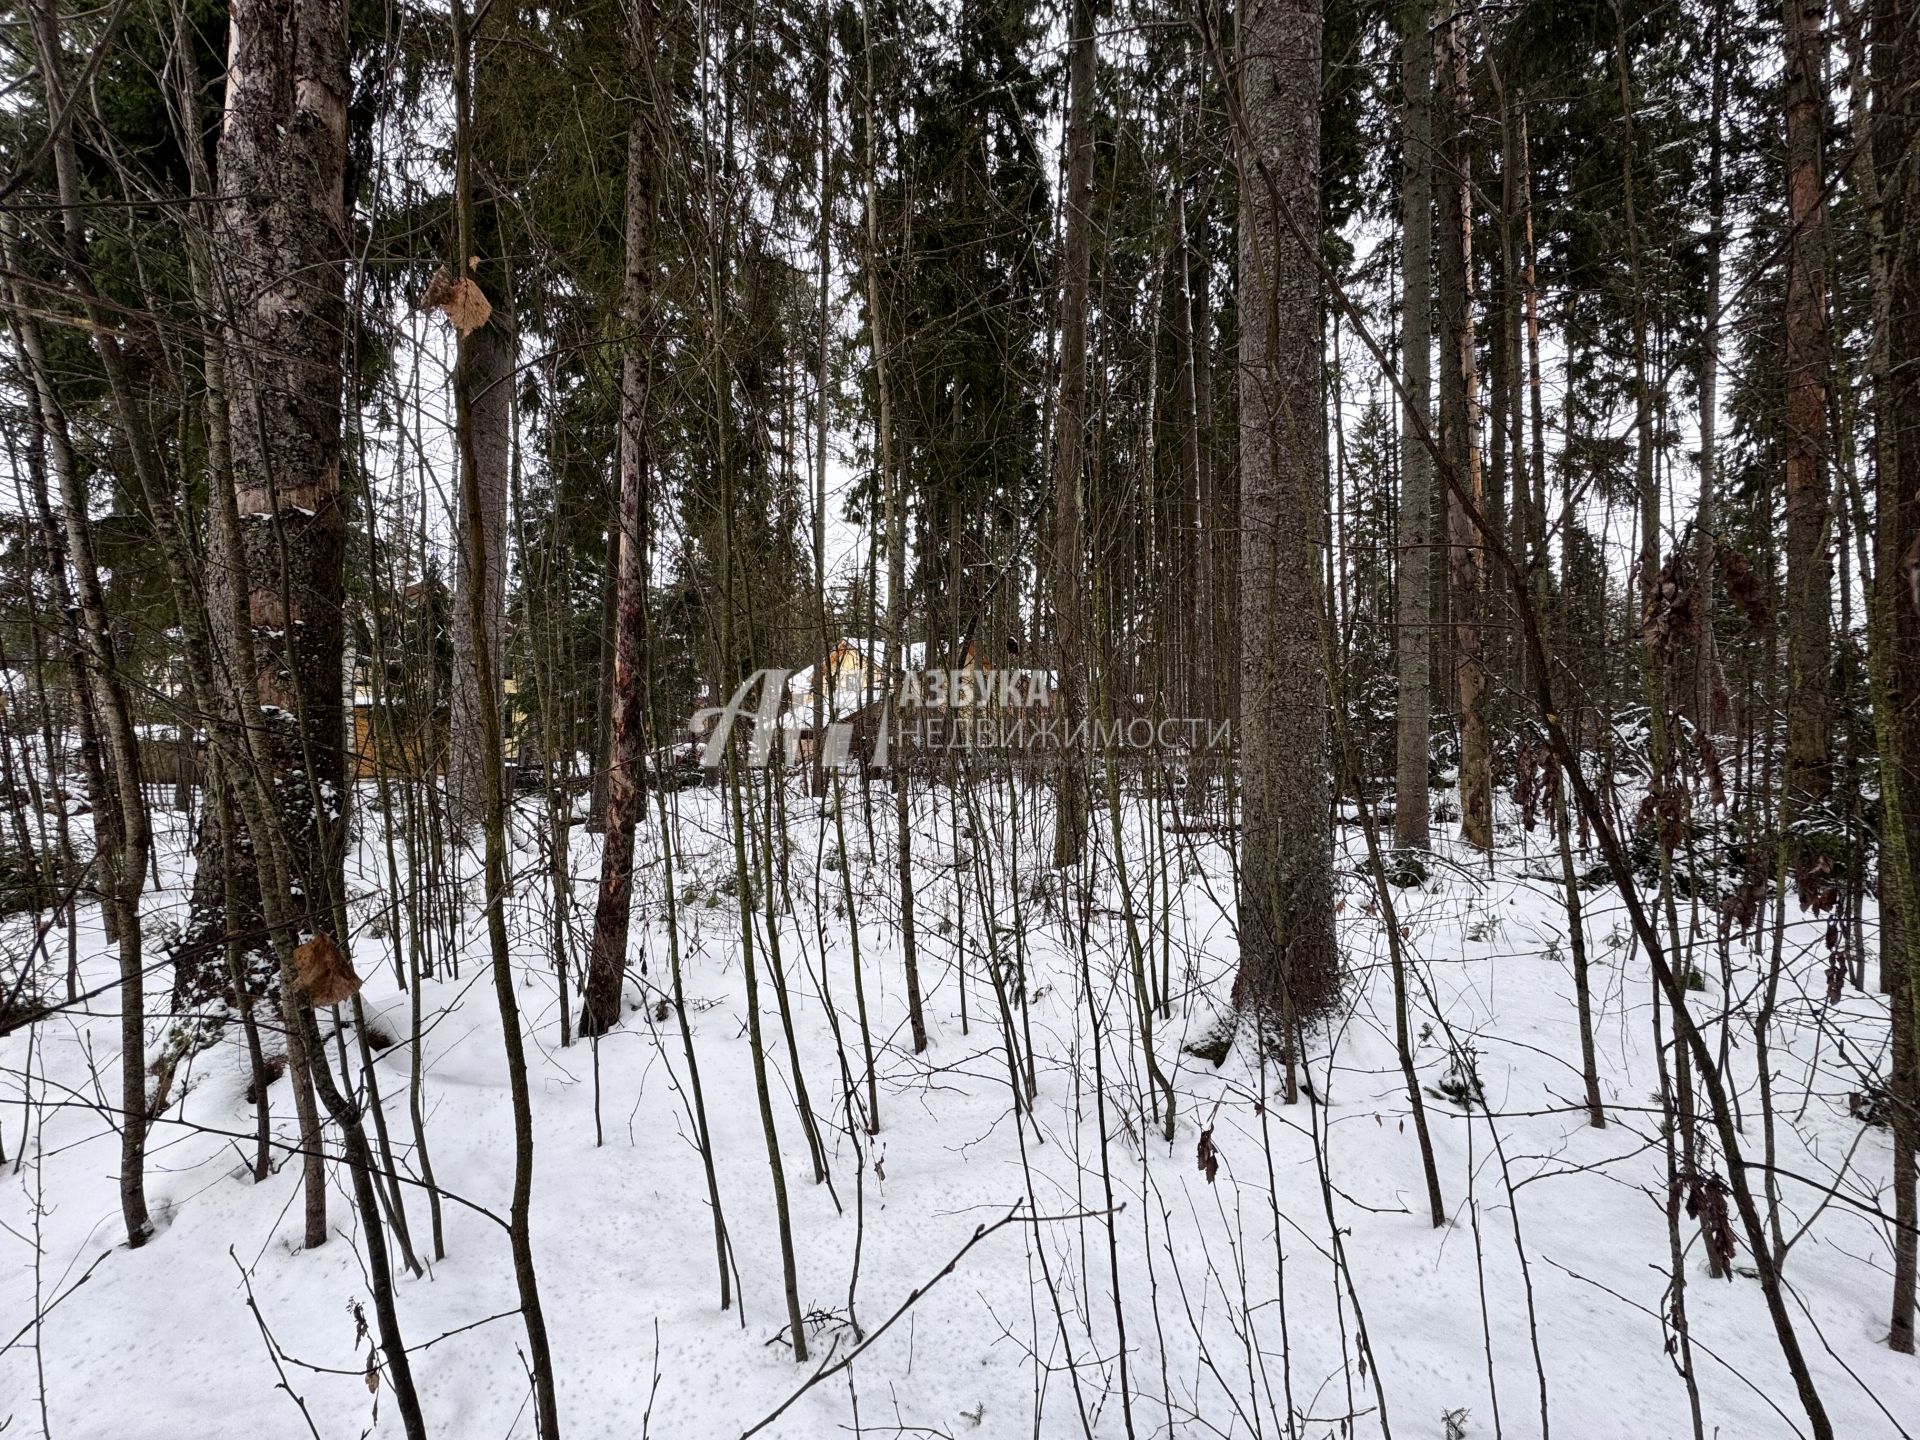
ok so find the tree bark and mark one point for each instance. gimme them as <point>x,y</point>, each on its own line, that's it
<point>1808,505</point>
<point>490,376</point>
<point>1070,442</point>
<point>893,504</point>
<point>1289,963</point>
<point>626,776</point>
<point>1460,441</point>
<point>1414,600</point>
<point>282,237</point>
<point>284,234</point>
<point>1894,654</point>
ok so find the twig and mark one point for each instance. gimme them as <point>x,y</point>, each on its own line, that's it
<point>827,1371</point>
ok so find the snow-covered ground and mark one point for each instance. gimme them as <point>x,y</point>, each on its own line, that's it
<point>1301,1279</point>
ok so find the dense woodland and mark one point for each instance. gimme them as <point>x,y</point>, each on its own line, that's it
<point>1448,477</point>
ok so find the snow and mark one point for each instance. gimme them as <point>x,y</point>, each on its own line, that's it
<point>1557,1236</point>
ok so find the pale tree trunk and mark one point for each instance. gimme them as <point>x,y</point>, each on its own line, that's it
<point>282,239</point>
<point>224,953</point>
<point>1414,600</point>
<point>1537,503</point>
<point>1809,570</point>
<point>1515,521</point>
<point>1070,442</point>
<point>1894,654</point>
<point>1460,442</point>
<point>823,642</point>
<point>490,361</point>
<point>603,675</point>
<point>1289,963</point>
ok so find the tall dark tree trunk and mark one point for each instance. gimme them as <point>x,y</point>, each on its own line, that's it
<point>1414,601</point>
<point>1808,360</point>
<point>1895,617</point>
<point>626,778</point>
<point>1070,443</point>
<point>893,503</point>
<point>1706,662</point>
<point>1289,963</point>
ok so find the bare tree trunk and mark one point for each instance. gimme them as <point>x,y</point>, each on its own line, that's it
<point>895,524</point>
<point>823,642</point>
<point>490,362</point>
<point>1894,654</point>
<point>122,839</point>
<point>1460,440</point>
<point>1809,571</point>
<point>284,138</point>
<point>520,1207</point>
<point>626,777</point>
<point>603,672</point>
<point>1706,660</point>
<point>285,134</point>
<point>121,835</point>
<point>1537,558</point>
<point>1414,599</point>
<point>1289,963</point>
<point>1069,445</point>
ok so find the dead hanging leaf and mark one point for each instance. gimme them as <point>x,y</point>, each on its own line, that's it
<point>439,288</point>
<point>373,1372</point>
<point>1209,1157</point>
<point>1707,1203</point>
<point>1815,881</point>
<point>1710,766</point>
<point>1667,616</point>
<point>1665,809</point>
<point>322,973</point>
<point>1740,907</point>
<point>1743,587</point>
<point>462,301</point>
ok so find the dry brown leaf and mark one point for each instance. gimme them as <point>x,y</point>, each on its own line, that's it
<point>322,973</point>
<point>467,307</point>
<point>462,301</point>
<point>439,287</point>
